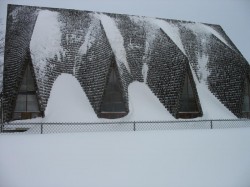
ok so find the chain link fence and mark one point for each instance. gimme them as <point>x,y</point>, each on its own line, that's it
<point>47,128</point>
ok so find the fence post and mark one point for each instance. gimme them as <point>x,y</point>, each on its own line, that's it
<point>42,128</point>
<point>211,124</point>
<point>134,125</point>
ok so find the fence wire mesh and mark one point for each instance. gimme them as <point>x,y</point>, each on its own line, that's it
<point>47,128</point>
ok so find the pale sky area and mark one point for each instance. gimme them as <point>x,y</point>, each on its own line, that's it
<point>232,15</point>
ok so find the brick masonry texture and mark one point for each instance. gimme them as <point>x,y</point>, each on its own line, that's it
<point>134,43</point>
<point>18,34</point>
<point>167,69</point>
<point>228,68</point>
<point>228,72</point>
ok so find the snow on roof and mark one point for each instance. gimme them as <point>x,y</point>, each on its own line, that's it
<point>203,71</point>
<point>212,108</point>
<point>46,39</point>
<point>152,26</point>
<point>139,94</point>
<point>203,35</point>
<point>115,39</point>
<point>46,43</point>
<point>145,72</point>
<point>205,31</point>
<point>90,36</point>
<point>150,32</point>
<point>2,31</point>
<point>172,31</point>
<point>203,38</point>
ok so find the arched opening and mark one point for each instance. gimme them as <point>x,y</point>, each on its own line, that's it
<point>26,103</point>
<point>113,105</point>
<point>246,100</point>
<point>188,103</point>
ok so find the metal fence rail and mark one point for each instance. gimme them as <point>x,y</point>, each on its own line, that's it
<point>47,128</point>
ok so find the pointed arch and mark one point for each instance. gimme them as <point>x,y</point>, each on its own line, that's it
<point>26,105</point>
<point>189,106</point>
<point>246,99</point>
<point>113,102</point>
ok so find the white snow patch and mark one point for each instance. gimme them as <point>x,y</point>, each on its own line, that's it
<point>133,46</point>
<point>144,105</point>
<point>204,38</point>
<point>172,31</point>
<point>68,102</point>
<point>151,31</point>
<point>145,72</point>
<point>46,39</point>
<point>1,71</point>
<point>203,72</point>
<point>212,108</point>
<point>90,37</point>
<point>195,158</point>
<point>115,39</point>
<point>218,35</point>
<point>200,29</point>
<point>2,44</point>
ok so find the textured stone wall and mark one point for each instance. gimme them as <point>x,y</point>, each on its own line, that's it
<point>192,47</point>
<point>167,68</point>
<point>52,69</point>
<point>220,30</point>
<point>228,70</point>
<point>226,66</point>
<point>166,62</point>
<point>75,25</point>
<point>134,43</point>
<point>73,28</point>
<point>20,24</point>
<point>134,47</point>
<point>94,67</point>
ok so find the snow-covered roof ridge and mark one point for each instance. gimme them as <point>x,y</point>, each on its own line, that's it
<point>203,72</point>
<point>46,40</point>
<point>90,36</point>
<point>115,39</point>
<point>2,32</point>
<point>172,31</point>
<point>212,108</point>
<point>89,39</point>
<point>203,29</point>
<point>150,33</point>
<point>152,27</point>
<point>203,35</point>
